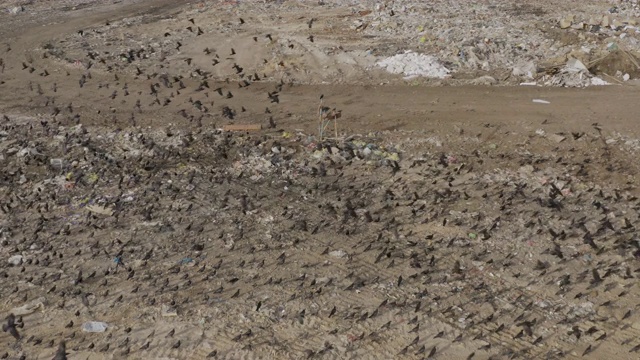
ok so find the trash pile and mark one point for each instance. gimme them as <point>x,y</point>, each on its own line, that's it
<point>573,74</point>
<point>413,65</point>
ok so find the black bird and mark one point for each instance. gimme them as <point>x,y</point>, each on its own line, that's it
<point>10,326</point>
<point>61,354</point>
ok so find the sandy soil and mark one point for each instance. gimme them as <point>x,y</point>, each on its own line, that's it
<point>444,222</point>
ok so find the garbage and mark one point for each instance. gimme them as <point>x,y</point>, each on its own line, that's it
<point>16,10</point>
<point>338,253</point>
<point>414,64</point>
<point>540,101</point>
<point>186,260</point>
<point>575,65</point>
<point>100,210</point>
<point>169,311</point>
<point>527,69</point>
<point>556,138</point>
<point>94,326</point>
<point>16,260</point>
<point>30,307</point>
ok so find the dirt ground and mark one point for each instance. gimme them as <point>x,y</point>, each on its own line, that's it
<point>443,222</point>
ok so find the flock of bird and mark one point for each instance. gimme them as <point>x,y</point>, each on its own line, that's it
<point>421,258</point>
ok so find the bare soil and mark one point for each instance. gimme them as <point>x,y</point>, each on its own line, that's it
<point>448,222</point>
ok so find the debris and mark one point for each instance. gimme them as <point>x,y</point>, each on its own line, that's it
<point>575,65</point>
<point>565,23</point>
<point>94,326</point>
<point>338,253</point>
<point>169,311</point>
<point>484,80</point>
<point>16,260</point>
<point>242,127</point>
<point>414,64</point>
<point>100,210</point>
<point>527,69</point>
<point>16,10</point>
<point>186,260</point>
<point>540,101</point>
<point>30,307</point>
<point>557,138</point>
<point>56,163</point>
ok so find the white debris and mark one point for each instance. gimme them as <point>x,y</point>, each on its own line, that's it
<point>540,101</point>
<point>30,307</point>
<point>412,64</point>
<point>16,260</point>
<point>338,253</point>
<point>94,326</point>
<point>598,81</point>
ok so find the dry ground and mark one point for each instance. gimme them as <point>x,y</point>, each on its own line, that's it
<point>504,228</point>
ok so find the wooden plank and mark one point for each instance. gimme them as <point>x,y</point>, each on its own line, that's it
<point>242,127</point>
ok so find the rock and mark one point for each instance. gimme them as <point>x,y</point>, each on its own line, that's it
<point>592,21</point>
<point>15,260</point>
<point>338,253</point>
<point>565,23</point>
<point>617,24</point>
<point>606,21</point>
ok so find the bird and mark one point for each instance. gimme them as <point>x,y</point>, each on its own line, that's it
<point>10,326</point>
<point>61,353</point>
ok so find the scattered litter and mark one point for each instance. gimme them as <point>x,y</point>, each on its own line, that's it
<point>540,101</point>
<point>100,210</point>
<point>16,260</point>
<point>414,64</point>
<point>556,138</point>
<point>596,81</point>
<point>242,127</point>
<point>186,260</point>
<point>30,307</point>
<point>527,69</point>
<point>16,10</point>
<point>338,253</point>
<point>169,311</point>
<point>94,326</point>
